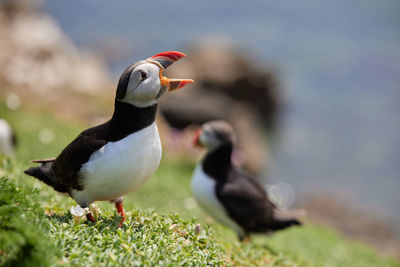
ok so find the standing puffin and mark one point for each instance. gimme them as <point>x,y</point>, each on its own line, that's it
<point>115,158</point>
<point>227,193</point>
<point>7,138</point>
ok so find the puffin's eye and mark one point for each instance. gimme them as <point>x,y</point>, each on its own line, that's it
<point>143,75</point>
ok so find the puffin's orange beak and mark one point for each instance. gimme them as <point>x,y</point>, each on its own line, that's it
<point>164,60</point>
<point>196,138</point>
<point>173,84</point>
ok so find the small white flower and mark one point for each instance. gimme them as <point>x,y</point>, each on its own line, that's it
<point>95,211</point>
<point>78,213</point>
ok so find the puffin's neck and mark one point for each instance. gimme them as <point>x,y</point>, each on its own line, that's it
<point>217,162</point>
<point>128,118</point>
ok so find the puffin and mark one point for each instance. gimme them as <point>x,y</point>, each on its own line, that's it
<point>229,194</point>
<point>110,160</point>
<point>8,139</point>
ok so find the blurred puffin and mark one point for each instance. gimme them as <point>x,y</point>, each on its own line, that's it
<point>227,193</point>
<point>115,158</point>
<point>7,138</point>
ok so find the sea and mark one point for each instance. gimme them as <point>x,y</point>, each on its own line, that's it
<point>338,63</point>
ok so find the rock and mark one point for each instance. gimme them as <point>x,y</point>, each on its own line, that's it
<point>229,85</point>
<point>219,70</point>
<point>35,54</point>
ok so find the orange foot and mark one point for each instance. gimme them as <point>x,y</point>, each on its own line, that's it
<point>90,217</point>
<point>120,210</point>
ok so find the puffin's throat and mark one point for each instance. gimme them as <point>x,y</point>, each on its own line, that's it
<point>128,119</point>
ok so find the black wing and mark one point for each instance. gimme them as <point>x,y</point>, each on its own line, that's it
<point>246,201</point>
<point>69,162</point>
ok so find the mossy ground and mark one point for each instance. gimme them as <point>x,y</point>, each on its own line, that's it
<point>33,216</point>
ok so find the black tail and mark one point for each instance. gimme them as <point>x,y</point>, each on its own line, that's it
<point>286,218</point>
<point>38,173</point>
<point>282,224</point>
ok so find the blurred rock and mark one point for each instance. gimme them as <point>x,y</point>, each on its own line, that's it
<point>36,55</point>
<point>229,85</point>
<point>221,71</point>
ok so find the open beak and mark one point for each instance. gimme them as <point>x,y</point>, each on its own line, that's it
<point>164,60</point>
<point>196,138</point>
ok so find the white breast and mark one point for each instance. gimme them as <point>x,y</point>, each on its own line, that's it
<point>119,168</point>
<point>203,188</point>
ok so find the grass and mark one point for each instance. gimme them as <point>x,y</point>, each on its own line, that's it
<point>154,233</point>
<point>146,239</point>
<point>23,228</point>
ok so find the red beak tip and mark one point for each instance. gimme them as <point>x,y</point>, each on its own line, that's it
<point>170,55</point>
<point>185,82</point>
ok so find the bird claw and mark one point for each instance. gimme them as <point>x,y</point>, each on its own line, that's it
<point>122,221</point>
<point>90,217</point>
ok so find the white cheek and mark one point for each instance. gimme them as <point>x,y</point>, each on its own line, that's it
<point>203,139</point>
<point>208,140</point>
<point>145,93</point>
<point>150,87</point>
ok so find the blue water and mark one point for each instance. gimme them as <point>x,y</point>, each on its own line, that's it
<point>339,62</point>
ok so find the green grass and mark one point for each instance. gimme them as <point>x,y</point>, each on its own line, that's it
<point>146,239</point>
<point>23,228</point>
<point>154,233</point>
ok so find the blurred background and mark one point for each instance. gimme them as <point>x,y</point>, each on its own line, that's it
<point>311,87</point>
